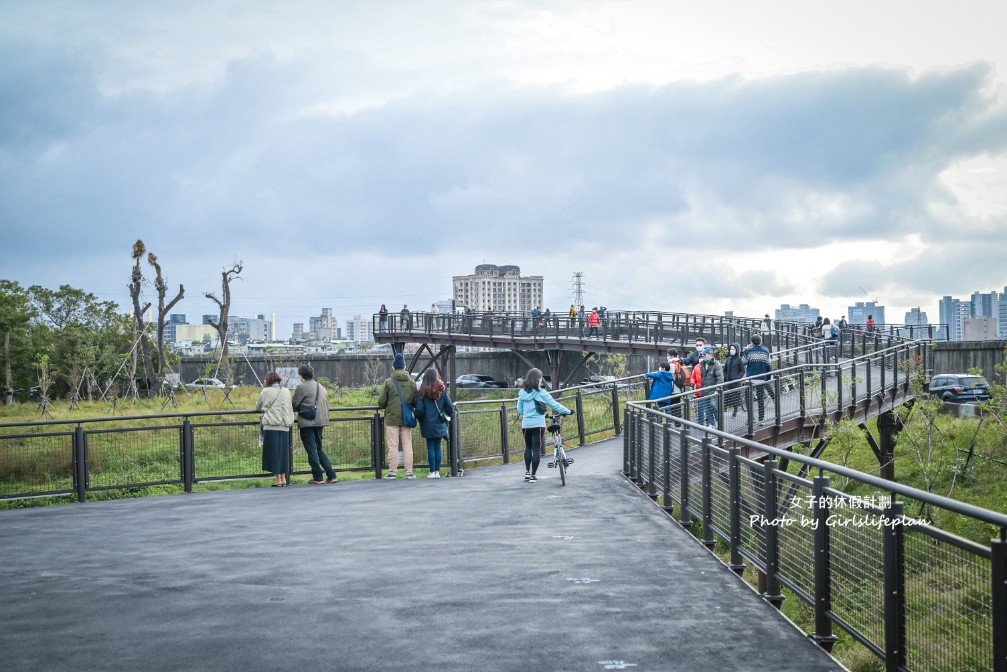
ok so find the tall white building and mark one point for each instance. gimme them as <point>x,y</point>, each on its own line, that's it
<point>916,318</point>
<point>499,288</point>
<point>980,329</point>
<point>858,313</point>
<point>360,330</point>
<point>954,312</point>
<point>323,327</point>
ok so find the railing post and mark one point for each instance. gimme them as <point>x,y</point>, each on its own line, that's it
<point>80,463</point>
<point>823,565</point>
<point>652,458</point>
<point>634,458</point>
<point>708,539</point>
<point>377,443</point>
<point>615,410</point>
<point>505,435</point>
<point>777,402</point>
<point>895,591</point>
<point>734,472</point>
<point>685,517</point>
<point>188,455</point>
<point>455,444</point>
<point>770,512</point>
<point>669,505</point>
<point>803,397</point>
<point>627,441</point>
<point>998,563</point>
<point>581,433</point>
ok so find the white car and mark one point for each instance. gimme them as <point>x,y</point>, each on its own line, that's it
<point>206,384</point>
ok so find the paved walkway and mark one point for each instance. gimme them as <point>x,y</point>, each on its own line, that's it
<point>484,572</point>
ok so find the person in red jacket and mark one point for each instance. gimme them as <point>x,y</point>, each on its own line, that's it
<point>593,322</point>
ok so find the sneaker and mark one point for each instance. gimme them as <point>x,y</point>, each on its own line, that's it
<point>437,474</point>
<point>409,475</point>
<point>527,475</point>
<point>532,479</point>
<point>432,474</point>
<point>390,475</point>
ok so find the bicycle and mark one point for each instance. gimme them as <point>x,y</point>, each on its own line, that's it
<point>560,460</point>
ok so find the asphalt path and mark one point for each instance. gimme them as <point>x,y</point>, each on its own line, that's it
<point>484,572</point>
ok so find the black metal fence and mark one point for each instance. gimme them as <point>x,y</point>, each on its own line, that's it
<point>74,457</point>
<point>917,595</point>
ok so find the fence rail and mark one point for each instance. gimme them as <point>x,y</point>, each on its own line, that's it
<point>917,595</point>
<point>74,457</point>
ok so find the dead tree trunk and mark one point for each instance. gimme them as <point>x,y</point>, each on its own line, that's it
<point>224,303</point>
<point>134,291</point>
<point>162,315</point>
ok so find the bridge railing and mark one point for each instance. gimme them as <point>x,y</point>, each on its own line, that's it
<point>920,580</point>
<point>74,457</point>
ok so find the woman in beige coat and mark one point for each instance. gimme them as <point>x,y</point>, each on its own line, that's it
<point>277,419</point>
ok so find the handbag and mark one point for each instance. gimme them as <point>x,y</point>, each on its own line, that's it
<point>541,407</point>
<point>408,414</point>
<point>306,410</point>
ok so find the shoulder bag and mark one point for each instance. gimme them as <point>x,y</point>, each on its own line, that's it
<point>306,410</point>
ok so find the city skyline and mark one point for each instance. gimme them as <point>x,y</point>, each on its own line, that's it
<point>684,158</point>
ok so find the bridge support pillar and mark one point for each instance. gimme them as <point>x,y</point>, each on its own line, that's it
<point>888,426</point>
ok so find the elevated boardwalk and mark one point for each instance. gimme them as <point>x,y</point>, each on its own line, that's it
<point>484,572</point>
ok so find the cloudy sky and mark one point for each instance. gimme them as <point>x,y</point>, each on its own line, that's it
<point>684,156</point>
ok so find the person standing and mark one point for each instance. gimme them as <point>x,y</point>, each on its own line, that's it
<point>533,420</point>
<point>434,411</point>
<point>712,374</point>
<point>870,324</point>
<point>758,366</point>
<point>312,392</point>
<point>694,358</point>
<point>406,318</point>
<point>383,318</point>
<point>573,316</point>
<point>277,419</point>
<point>593,322</point>
<point>398,389</point>
<point>663,386</point>
<point>734,371</point>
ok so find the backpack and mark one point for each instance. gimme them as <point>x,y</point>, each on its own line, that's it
<point>835,331</point>
<point>683,376</point>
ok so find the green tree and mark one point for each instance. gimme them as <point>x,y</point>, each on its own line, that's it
<point>16,313</point>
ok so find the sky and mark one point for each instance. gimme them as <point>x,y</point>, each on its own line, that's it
<point>691,157</point>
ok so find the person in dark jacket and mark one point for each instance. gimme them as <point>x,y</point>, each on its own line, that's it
<point>434,411</point>
<point>758,366</point>
<point>712,375</point>
<point>663,386</point>
<point>694,358</point>
<point>309,391</point>
<point>734,371</point>
<point>396,432</point>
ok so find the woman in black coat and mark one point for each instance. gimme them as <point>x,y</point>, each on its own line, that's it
<point>734,370</point>
<point>434,410</point>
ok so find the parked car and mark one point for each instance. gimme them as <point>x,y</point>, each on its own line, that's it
<point>478,381</point>
<point>960,387</point>
<point>546,378</point>
<point>206,384</point>
<point>599,381</point>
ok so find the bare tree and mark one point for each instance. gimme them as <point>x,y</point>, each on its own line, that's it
<point>161,285</point>
<point>224,303</point>
<point>139,248</point>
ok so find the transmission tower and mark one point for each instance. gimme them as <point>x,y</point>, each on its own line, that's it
<point>578,288</point>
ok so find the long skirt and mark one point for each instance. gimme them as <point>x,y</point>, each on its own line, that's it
<point>276,451</point>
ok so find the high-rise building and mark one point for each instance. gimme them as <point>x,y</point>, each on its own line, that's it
<point>954,312</point>
<point>499,288</point>
<point>985,304</point>
<point>323,327</point>
<point>248,328</point>
<point>298,335</point>
<point>802,314</point>
<point>859,312</point>
<point>916,318</point>
<point>174,320</point>
<point>1002,316</point>
<point>360,330</point>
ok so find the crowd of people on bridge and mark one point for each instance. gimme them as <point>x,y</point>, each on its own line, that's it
<point>700,369</point>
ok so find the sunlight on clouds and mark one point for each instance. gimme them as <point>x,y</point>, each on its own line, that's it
<point>980,184</point>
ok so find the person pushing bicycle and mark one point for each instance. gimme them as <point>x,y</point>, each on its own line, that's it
<point>532,404</point>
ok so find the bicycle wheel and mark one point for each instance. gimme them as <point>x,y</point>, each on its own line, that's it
<point>561,464</point>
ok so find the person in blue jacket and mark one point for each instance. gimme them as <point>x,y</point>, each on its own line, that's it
<point>663,386</point>
<point>533,421</point>
<point>434,410</point>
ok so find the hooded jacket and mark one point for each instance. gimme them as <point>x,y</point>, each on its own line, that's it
<point>734,367</point>
<point>389,398</point>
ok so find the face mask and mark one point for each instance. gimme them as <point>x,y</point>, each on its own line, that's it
<point>733,351</point>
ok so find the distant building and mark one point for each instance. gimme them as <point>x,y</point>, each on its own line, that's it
<point>1002,316</point>
<point>499,288</point>
<point>323,327</point>
<point>298,335</point>
<point>802,314</point>
<point>245,329</point>
<point>916,318</point>
<point>980,329</point>
<point>858,313</point>
<point>360,330</point>
<point>954,312</point>
<point>174,320</point>
<point>196,333</point>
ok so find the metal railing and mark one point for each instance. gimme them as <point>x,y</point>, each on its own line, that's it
<point>74,457</point>
<point>915,594</point>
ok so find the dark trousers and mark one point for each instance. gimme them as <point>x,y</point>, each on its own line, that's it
<point>760,396</point>
<point>311,437</point>
<point>534,439</point>
<point>434,454</point>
